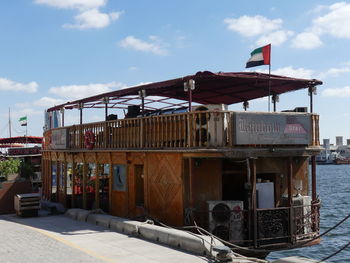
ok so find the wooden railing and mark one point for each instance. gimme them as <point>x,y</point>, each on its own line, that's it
<point>209,129</point>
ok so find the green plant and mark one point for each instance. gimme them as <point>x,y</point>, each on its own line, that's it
<point>26,169</point>
<point>9,166</point>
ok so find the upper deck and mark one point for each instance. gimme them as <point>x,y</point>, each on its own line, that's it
<point>209,126</point>
<point>196,130</point>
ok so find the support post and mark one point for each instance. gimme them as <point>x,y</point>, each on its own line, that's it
<point>312,90</point>
<point>190,172</point>
<point>313,177</point>
<point>275,99</point>
<point>62,112</point>
<point>81,140</point>
<point>254,204</point>
<point>290,198</point>
<point>74,174</point>
<point>85,170</point>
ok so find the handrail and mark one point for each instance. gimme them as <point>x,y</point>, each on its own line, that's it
<point>207,129</point>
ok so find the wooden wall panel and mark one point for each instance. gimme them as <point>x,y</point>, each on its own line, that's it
<point>132,160</point>
<point>165,187</point>
<point>207,182</point>
<point>69,157</point>
<point>119,199</point>
<point>279,167</point>
<point>90,157</point>
<point>60,156</point>
<point>79,158</point>
<point>103,158</point>
<point>118,158</point>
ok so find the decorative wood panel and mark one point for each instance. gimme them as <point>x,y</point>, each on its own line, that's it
<point>69,157</point>
<point>60,156</point>
<point>165,187</point>
<point>103,158</point>
<point>90,158</point>
<point>79,158</point>
<point>119,199</point>
<point>118,158</point>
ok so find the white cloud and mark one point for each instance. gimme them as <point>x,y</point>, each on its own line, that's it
<point>291,72</point>
<point>73,4</point>
<point>9,85</point>
<point>335,22</point>
<point>275,38</point>
<point>47,102</point>
<point>73,92</point>
<point>154,46</point>
<point>306,40</point>
<point>334,72</point>
<point>133,68</point>
<point>295,72</point>
<point>26,112</point>
<point>249,26</point>
<point>93,18</point>
<point>337,92</point>
<point>89,14</point>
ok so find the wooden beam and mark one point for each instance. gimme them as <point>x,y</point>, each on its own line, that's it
<point>252,164</point>
<point>313,178</point>
<point>85,169</point>
<point>290,198</point>
<point>191,181</point>
<point>97,182</point>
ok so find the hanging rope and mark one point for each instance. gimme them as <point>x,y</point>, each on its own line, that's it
<point>335,253</point>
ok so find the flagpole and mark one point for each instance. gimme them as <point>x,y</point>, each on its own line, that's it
<point>269,85</point>
<point>10,122</point>
<point>26,131</point>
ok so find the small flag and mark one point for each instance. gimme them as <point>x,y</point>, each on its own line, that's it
<point>23,121</point>
<point>260,56</point>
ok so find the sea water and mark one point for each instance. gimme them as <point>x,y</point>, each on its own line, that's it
<point>333,188</point>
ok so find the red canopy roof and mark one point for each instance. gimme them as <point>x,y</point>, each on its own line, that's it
<point>24,139</point>
<point>210,88</point>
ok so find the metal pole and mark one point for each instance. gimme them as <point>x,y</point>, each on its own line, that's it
<point>62,110</point>
<point>106,111</point>
<point>10,122</point>
<point>81,116</point>
<point>311,99</point>
<point>290,198</point>
<point>190,99</point>
<point>269,85</point>
<point>254,205</point>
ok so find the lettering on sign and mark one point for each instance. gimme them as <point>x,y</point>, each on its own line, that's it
<point>59,139</point>
<point>271,128</point>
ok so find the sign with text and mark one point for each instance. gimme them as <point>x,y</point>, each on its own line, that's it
<point>59,139</point>
<point>271,128</point>
<point>24,151</point>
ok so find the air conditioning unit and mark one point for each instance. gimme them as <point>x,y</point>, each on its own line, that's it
<point>302,214</point>
<point>212,127</point>
<point>226,219</point>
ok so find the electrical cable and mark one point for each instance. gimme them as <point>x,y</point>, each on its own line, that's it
<point>335,253</point>
<point>258,250</point>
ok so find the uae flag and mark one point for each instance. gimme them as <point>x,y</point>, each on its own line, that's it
<point>23,121</point>
<point>260,56</point>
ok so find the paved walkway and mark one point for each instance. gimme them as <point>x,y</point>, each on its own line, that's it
<point>59,239</point>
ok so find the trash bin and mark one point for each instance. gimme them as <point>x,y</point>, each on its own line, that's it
<point>27,204</point>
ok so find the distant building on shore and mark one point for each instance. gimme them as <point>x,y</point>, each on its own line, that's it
<point>335,154</point>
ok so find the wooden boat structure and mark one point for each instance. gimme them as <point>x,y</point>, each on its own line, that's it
<point>181,157</point>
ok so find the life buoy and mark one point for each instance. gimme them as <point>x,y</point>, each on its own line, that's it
<point>89,139</point>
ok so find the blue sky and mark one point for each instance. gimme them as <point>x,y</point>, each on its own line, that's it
<point>53,51</point>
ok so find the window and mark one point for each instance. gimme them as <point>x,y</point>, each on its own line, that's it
<point>119,177</point>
